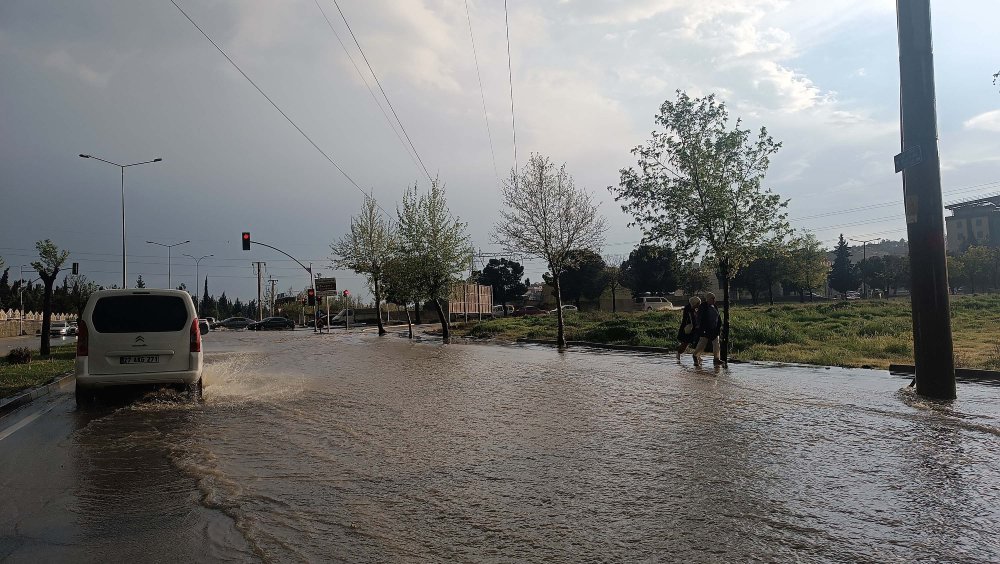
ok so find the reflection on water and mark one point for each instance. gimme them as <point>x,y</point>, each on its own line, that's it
<point>353,448</point>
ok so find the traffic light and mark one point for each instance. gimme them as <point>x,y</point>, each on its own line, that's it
<point>76,268</point>
<point>246,240</point>
<point>312,296</point>
<point>347,293</point>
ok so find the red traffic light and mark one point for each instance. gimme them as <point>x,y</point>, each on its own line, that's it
<point>312,296</point>
<point>347,293</point>
<point>246,240</point>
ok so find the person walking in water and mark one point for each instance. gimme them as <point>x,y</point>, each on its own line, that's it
<point>709,327</point>
<point>687,334</point>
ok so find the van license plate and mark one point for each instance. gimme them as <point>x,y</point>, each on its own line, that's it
<point>139,359</point>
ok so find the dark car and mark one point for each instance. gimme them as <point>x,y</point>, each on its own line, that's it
<point>272,323</point>
<point>234,323</point>
<point>528,310</point>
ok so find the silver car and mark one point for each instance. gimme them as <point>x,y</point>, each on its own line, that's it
<point>138,336</point>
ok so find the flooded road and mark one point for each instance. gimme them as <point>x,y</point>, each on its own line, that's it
<point>358,449</point>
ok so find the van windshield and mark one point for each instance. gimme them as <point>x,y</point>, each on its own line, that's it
<point>140,314</point>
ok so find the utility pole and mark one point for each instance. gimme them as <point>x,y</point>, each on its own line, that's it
<point>273,282</point>
<point>260,306</point>
<point>864,263</point>
<point>932,340</point>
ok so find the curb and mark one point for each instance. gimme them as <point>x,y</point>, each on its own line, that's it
<point>969,373</point>
<point>9,404</point>
<point>636,348</point>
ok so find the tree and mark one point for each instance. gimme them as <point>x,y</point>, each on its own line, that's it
<point>584,278</point>
<point>977,265</point>
<point>651,269</point>
<point>402,285</point>
<point>546,216</point>
<point>842,276</point>
<point>504,276</point>
<point>50,259</point>
<point>695,279</point>
<point>700,183</point>
<point>437,241</point>
<point>871,271</point>
<point>139,282</point>
<point>612,273</point>
<point>897,272</point>
<point>808,265</point>
<point>367,248</point>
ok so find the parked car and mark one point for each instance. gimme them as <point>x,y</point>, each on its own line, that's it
<point>272,323</point>
<point>568,308</point>
<point>62,329</point>
<point>204,326</point>
<point>211,322</point>
<point>498,310</point>
<point>138,336</point>
<point>653,303</point>
<point>234,323</point>
<point>852,295</point>
<point>528,310</point>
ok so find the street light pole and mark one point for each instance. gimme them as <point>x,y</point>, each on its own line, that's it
<point>197,279</point>
<point>169,285</point>
<point>123,167</point>
<point>864,262</point>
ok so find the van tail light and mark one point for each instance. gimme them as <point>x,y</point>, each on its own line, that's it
<point>82,339</point>
<point>195,336</point>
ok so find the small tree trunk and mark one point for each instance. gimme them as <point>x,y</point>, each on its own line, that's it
<point>561,330</point>
<point>416,312</point>
<point>614,301</point>
<point>409,326</point>
<point>724,341</point>
<point>445,328</point>
<point>378,305</point>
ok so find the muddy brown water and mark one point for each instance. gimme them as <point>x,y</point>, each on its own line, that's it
<point>347,447</point>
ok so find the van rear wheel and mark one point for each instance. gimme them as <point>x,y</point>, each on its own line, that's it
<point>195,391</point>
<point>84,396</point>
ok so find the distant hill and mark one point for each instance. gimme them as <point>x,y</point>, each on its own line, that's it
<point>880,249</point>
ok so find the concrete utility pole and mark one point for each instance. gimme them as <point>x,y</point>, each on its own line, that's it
<point>260,306</point>
<point>932,340</point>
<point>273,282</point>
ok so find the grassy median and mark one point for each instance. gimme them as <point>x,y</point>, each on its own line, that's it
<point>870,333</point>
<point>41,370</point>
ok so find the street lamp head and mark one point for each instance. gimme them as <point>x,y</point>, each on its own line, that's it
<point>85,156</point>
<point>157,159</point>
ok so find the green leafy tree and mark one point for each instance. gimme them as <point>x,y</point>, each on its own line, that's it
<point>808,267</point>
<point>842,275</point>
<point>871,272</point>
<point>367,248</point>
<point>547,216</point>
<point>50,260</point>
<point>439,243</point>
<point>585,278</point>
<point>402,285</point>
<point>505,277</point>
<point>977,264</point>
<point>5,290</point>
<point>897,272</point>
<point>651,269</point>
<point>695,278</point>
<point>700,182</point>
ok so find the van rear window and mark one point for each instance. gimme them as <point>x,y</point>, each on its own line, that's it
<point>140,314</point>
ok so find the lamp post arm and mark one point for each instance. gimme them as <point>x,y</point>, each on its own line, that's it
<point>307,269</point>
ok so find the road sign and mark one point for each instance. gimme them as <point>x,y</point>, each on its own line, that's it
<point>910,157</point>
<point>326,286</point>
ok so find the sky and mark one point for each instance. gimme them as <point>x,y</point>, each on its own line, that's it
<point>129,81</point>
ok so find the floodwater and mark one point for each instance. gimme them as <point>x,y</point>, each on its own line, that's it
<point>354,448</point>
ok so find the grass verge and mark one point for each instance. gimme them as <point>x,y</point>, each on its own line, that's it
<point>866,333</point>
<point>17,377</point>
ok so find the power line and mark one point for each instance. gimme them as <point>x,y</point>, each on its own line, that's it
<point>482,92</point>
<point>510,79</point>
<point>959,190</point>
<point>268,98</point>
<point>384,95</point>
<point>368,86</point>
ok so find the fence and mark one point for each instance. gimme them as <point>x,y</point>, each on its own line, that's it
<point>470,300</point>
<point>11,322</point>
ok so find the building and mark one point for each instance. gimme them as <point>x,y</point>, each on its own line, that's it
<point>976,222</point>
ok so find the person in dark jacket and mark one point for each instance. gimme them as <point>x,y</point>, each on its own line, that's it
<point>709,327</point>
<point>687,334</point>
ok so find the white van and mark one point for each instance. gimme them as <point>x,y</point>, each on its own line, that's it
<point>653,303</point>
<point>138,336</point>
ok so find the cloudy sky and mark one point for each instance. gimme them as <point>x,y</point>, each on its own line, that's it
<point>132,80</point>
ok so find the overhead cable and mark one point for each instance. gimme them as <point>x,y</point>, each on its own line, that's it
<point>482,92</point>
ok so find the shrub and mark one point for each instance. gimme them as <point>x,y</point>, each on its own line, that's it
<point>20,355</point>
